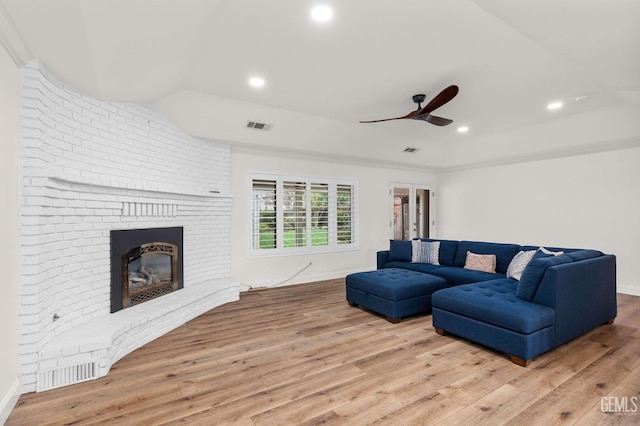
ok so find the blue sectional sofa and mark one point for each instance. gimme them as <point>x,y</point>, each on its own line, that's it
<point>556,295</point>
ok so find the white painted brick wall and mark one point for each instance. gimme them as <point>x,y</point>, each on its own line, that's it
<point>88,167</point>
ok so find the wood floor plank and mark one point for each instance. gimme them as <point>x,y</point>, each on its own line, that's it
<point>427,410</point>
<point>302,355</point>
<point>234,404</point>
<point>481,382</point>
<point>621,404</point>
<point>571,400</point>
<point>556,367</point>
<point>494,408</point>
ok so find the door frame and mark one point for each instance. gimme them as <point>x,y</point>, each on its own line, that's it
<point>412,189</point>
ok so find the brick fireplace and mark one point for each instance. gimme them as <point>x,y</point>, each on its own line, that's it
<point>90,168</point>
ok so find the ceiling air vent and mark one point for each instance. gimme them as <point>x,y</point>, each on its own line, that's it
<point>258,126</point>
<point>410,150</point>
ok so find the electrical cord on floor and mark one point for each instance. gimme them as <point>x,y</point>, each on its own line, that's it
<point>251,288</point>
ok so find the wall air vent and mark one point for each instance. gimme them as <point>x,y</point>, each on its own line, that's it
<point>64,376</point>
<point>258,126</point>
<point>410,150</point>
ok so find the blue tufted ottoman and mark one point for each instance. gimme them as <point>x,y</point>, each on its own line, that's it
<point>394,293</point>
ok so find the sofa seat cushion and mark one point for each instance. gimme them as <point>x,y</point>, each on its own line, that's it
<point>394,283</point>
<point>419,267</point>
<point>495,302</point>
<point>457,276</point>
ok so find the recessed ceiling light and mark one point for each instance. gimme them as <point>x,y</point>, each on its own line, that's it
<point>463,129</point>
<point>321,13</point>
<point>554,105</point>
<point>256,82</point>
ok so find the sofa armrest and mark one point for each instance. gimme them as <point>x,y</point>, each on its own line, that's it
<point>381,258</point>
<point>583,295</point>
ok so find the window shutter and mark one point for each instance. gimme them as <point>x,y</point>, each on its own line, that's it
<point>263,216</point>
<point>295,214</point>
<point>319,214</point>
<point>345,215</point>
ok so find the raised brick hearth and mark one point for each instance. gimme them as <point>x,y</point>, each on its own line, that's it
<point>89,167</point>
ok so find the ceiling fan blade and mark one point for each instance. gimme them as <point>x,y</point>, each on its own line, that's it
<point>442,98</point>
<point>412,114</point>
<point>434,119</point>
<point>384,119</point>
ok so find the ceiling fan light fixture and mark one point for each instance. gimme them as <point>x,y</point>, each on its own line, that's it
<point>463,129</point>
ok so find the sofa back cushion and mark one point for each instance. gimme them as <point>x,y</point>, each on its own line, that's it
<point>399,250</point>
<point>447,253</point>
<point>584,254</point>
<point>504,253</point>
<point>534,272</point>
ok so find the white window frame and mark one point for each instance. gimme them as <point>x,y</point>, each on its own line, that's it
<point>333,245</point>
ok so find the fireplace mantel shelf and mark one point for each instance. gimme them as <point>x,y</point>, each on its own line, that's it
<point>110,182</point>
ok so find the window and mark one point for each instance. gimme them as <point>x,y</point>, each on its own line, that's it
<point>296,215</point>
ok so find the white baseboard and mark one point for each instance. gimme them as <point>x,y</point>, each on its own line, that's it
<point>9,401</point>
<point>625,289</point>
<point>304,278</point>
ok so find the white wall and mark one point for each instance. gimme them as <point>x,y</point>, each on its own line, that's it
<point>9,112</point>
<point>373,218</point>
<point>585,201</point>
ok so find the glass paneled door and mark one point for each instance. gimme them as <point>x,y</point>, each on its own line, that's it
<point>410,211</point>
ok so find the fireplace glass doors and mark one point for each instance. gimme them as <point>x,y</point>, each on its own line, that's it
<point>145,264</point>
<point>149,271</point>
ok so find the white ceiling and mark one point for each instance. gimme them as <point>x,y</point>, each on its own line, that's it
<point>191,60</point>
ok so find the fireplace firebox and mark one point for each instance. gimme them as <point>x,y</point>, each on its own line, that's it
<point>145,264</point>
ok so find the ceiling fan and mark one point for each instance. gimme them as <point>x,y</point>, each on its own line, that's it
<point>424,114</point>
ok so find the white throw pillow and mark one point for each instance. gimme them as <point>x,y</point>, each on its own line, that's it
<point>425,252</point>
<point>550,253</point>
<point>518,263</point>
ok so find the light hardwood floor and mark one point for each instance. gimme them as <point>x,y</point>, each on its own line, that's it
<point>301,355</point>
